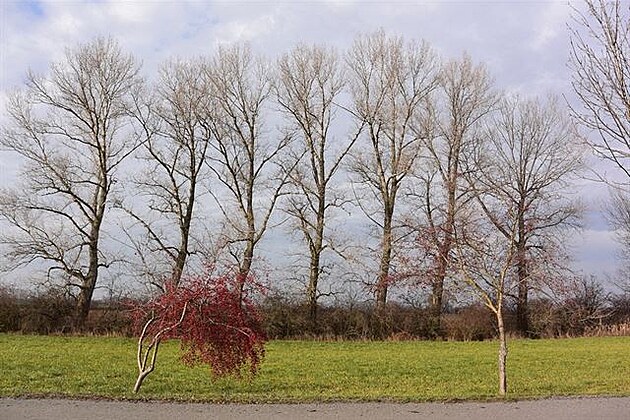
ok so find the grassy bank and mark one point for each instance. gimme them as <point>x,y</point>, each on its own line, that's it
<point>321,371</point>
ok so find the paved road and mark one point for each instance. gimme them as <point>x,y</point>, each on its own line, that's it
<point>558,409</point>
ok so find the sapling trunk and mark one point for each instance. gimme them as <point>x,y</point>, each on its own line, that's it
<point>503,352</point>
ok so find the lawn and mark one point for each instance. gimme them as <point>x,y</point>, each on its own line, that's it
<point>300,371</point>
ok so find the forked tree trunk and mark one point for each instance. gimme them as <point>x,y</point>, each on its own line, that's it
<point>146,366</point>
<point>143,374</point>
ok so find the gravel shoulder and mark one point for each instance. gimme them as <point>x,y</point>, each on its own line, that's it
<point>557,408</point>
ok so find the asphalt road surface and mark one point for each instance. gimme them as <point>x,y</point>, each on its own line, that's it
<point>557,409</point>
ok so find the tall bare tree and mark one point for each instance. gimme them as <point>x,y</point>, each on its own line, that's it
<point>71,129</point>
<point>391,82</point>
<point>600,60</point>
<point>245,159</point>
<point>529,161</point>
<point>175,121</point>
<point>465,97</point>
<point>310,81</point>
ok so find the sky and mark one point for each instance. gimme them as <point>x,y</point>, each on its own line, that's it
<point>523,43</point>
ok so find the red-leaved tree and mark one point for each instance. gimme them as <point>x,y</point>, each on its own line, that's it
<point>214,324</point>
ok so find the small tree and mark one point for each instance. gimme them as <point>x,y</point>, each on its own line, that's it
<point>618,215</point>
<point>485,262</point>
<point>215,324</point>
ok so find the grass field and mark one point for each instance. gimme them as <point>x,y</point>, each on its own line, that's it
<point>300,371</point>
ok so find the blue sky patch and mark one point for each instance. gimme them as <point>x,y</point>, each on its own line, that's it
<point>33,8</point>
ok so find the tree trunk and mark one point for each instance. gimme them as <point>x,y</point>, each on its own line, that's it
<point>312,291</point>
<point>437,292</point>
<point>246,266</point>
<point>250,218</point>
<point>84,300</point>
<point>88,285</point>
<point>180,262</point>
<point>382,283</point>
<point>316,250</point>
<point>503,352</point>
<point>444,250</point>
<point>522,312</point>
<point>184,229</point>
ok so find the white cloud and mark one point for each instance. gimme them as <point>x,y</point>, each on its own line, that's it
<point>245,30</point>
<point>130,12</point>
<point>551,24</point>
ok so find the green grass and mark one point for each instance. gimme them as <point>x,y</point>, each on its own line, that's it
<point>297,371</point>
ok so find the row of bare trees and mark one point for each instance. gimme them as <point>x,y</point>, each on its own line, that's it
<point>438,160</point>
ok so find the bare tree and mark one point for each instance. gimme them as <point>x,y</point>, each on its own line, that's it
<point>310,81</point>
<point>175,120</point>
<point>71,129</point>
<point>600,60</point>
<point>391,82</point>
<point>243,154</point>
<point>485,261</point>
<point>529,161</point>
<point>466,96</point>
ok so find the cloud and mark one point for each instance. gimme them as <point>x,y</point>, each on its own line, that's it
<point>495,33</point>
<point>524,44</point>
<point>550,24</point>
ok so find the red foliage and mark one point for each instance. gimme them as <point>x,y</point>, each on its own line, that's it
<point>217,327</point>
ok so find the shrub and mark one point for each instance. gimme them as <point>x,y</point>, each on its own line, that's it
<point>50,311</point>
<point>111,317</point>
<point>470,323</point>
<point>215,321</point>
